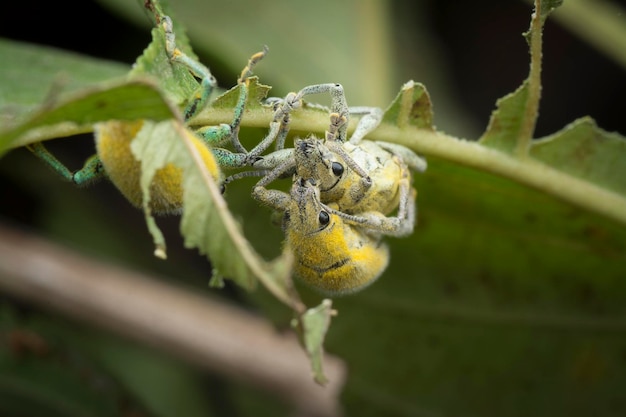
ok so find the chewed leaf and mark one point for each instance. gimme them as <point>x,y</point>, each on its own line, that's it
<point>126,100</point>
<point>512,123</point>
<point>411,107</point>
<point>584,150</point>
<point>206,224</point>
<point>175,79</point>
<point>507,121</point>
<point>256,93</point>
<point>314,324</point>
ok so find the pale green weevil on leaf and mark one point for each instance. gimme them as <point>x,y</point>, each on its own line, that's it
<point>114,159</point>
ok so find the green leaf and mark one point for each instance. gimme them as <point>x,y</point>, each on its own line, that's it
<point>125,100</point>
<point>47,93</point>
<point>583,150</point>
<point>206,223</point>
<point>312,326</point>
<point>512,124</point>
<point>175,80</point>
<point>411,107</point>
<point>505,299</point>
<point>36,72</point>
<point>227,101</point>
<point>507,122</point>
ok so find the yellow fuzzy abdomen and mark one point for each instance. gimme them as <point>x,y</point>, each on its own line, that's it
<point>342,261</point>
<point>113,141</point>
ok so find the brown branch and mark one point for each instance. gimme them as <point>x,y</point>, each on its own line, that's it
<point>211,334</point>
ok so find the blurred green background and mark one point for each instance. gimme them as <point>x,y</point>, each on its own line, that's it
<point>504,302</point>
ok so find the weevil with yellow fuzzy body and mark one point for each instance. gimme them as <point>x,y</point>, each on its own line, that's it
<point>338,208</point>
<point>362,177</point>
<point>115,160</point>
<point>357,175</point>
<point>336,253</point>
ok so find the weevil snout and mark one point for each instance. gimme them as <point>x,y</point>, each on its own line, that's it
<point>306,182</point>
<point>305,146</point>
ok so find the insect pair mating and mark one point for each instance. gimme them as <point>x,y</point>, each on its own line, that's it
<point>336,212</point>
<point>343,190</point>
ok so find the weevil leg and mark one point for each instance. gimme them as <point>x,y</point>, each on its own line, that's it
<point>279,128</point>
<point>293,101</point>
<point>338,104</point>
<point>271,160</point>
<point>285,166</point>
<point>278,164</point>
<point>90,172</point>
<point>370,119</point>
<point>276,199</point>
<point>282,132</point>
<point>213,134</point>
<point>262,194</point>
<point>398,226</point>
<point>244,87</point>
<point>404,223</point>
<point>207,81</point>
<point>244,174</point>
<point>410,158</point>
<point>220,134</point>
<point>337,120</point>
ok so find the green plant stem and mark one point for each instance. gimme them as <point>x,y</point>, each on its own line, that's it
<point>525,171</point>
<point>602,23</point>
<point>439,145</point>
<point>531,111</point>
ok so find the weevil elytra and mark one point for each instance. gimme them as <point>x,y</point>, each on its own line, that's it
<point>115,160</point>
<point>335,253</point>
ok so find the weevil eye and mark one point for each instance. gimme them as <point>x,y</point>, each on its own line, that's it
<point>337,168</point>
<point>323,218</point>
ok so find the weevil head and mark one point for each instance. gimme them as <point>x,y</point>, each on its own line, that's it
<point>331,256</point>
<point>314,160</point>
<point>306,214</point>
